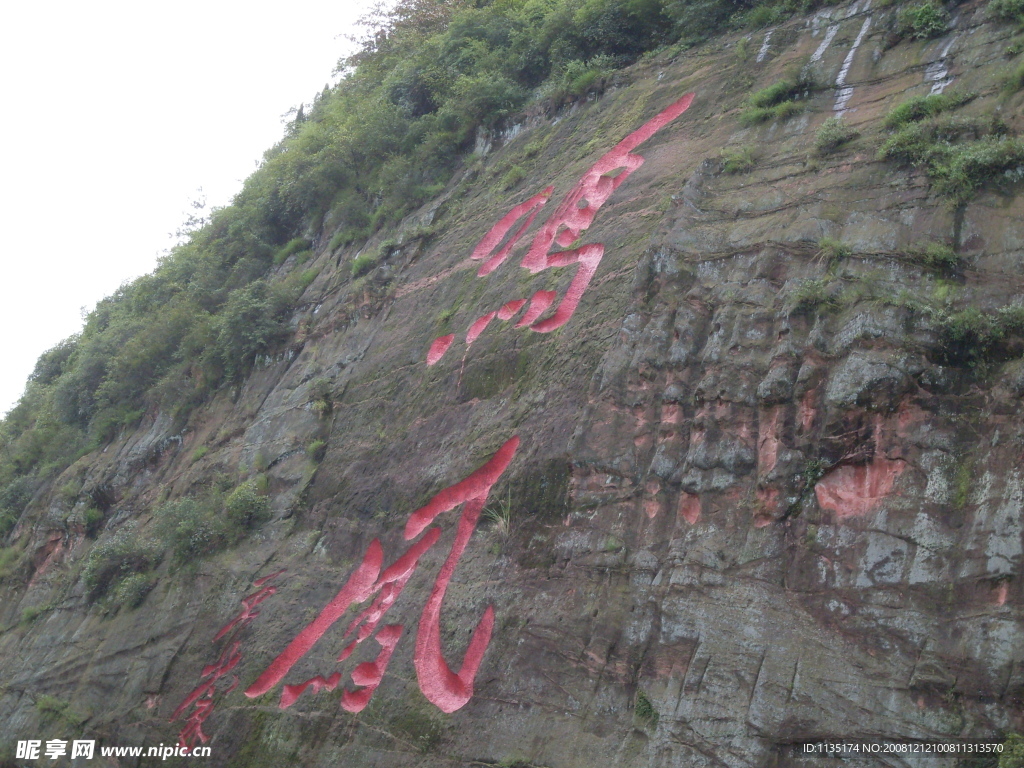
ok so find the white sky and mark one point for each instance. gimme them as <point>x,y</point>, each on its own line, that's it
<point>112,114</point>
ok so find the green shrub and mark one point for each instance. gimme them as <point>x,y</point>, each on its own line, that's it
<point>831,250</point>
<point>295,245</point>
<point>962,481</point>
<point>742,49</point>
<point>754,115</point>
<point>200,452</point>
<point>1015,80</point>
<point>316,450</point>
<point>832,134</point>
<point>133,590</point>
<point>920,107</point>
<point>50,704</point>
<point>484,100</point>
<point>786,109</point>
<point>124,553</point>
<point>249,324</point>
<point>645,711</point>
<point>697,21</point>
<point>261,460</point>
<point>580,77</point>
<point>10,560</point>
<point>92,519</point>
<point>33,612</point>
<point>959,171</point>
<point>911,144</point>
<point>970,336</point>
<point>446,316</point>
<point>499,514</point>
<point>8,519</point>
<point>109,422</point>
<point>321,396</point>
<point>1007,10</point>
<point>343,236</point>
<point>776,93</point>
<point>738,159</point>
<point>777,101</point>
<point>921,21</point>
<point>1013,752</point>
<point>363,263</point>
<point>57,708</point>
<point>14,497</point>
<point>305,279</point>
<point>191,528</point>
<point>765,14</point>
<point>957,166</point>
<point>812,296</point>
<point>580,80</point>
<point>245,507</point>
<point>937,256</point>
<point>321,389</point>
<point>512,177</point>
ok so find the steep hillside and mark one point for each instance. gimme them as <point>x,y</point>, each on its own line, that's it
<point>666,431</point>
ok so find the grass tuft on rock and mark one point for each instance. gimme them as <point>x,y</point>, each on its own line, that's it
<point>645,711</point>
<point>832,134</point>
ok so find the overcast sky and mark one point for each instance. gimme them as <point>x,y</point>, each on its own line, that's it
<point>113,114</point>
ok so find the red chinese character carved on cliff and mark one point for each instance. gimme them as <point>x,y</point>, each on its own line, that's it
<point>201,697</point>
<point>446,689</point>
<point>574,216</point>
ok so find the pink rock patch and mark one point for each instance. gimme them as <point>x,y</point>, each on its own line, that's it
<point>807,411</point>
<point>671,414</point>
<point>689,507</point>
<point>769,498</point>
<point>768,444</point>
<point>1002,591</point>
<point>853,490</point>
<point>47,554</point>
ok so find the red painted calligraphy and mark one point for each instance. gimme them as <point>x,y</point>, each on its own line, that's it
<point>573,217</point>
<point>553,246</point>
<point>439,684</point>
<point>202,696</point>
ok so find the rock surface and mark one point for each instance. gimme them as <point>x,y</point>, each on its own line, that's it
<point>773,525</point>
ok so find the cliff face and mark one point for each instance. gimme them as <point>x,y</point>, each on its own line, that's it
<point>754,489</point>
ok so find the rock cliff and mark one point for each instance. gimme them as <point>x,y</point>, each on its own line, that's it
<point>682,447</point>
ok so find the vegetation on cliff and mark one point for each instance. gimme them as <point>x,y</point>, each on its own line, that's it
<point>430,78</point>
<point>369,150</point>
<point>805,370</point>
